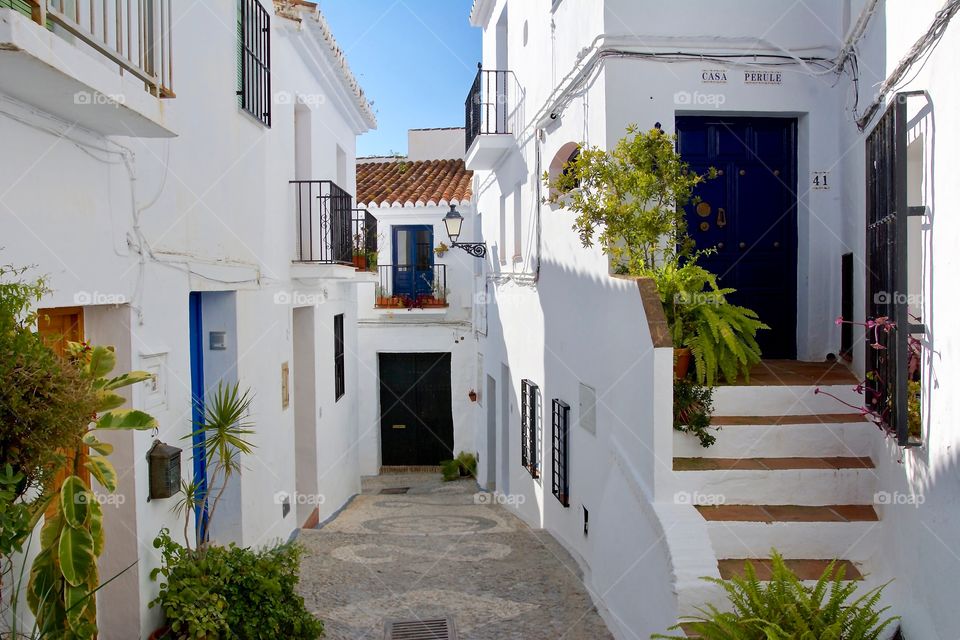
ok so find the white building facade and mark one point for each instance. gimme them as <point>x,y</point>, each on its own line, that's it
<point>769,99</point>
<point>168,225</point>
<point>418,371</point>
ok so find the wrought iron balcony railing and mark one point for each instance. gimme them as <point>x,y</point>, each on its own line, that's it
<point>411,286</point>
<point>493,104</point>
<point>364,240</point>
<point>324,216</point>
<point>136,35</point>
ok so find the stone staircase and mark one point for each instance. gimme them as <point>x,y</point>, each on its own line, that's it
<point>788,471</point>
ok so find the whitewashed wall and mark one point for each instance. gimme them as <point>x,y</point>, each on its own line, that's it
<point>920,486</point>
<point>216,208</point>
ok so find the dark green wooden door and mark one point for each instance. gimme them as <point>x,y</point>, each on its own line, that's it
<point>416,418</point>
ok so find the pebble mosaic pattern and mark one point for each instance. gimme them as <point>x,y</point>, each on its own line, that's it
<point>434,552</point>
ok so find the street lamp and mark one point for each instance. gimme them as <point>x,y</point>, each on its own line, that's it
<point>453,221</point>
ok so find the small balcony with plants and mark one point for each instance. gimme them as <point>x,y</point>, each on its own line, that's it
<point>493,114</point>
<point>333,239</point>
<point>364,241</point>
<point>412,287</point>
<point>104,65</point>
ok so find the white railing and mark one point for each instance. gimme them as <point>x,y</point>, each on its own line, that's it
<point>137,35</point>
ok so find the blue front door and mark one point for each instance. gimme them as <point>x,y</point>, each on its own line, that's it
<point>198,411</point>
<point>412,260</point>
<point>749,214</point>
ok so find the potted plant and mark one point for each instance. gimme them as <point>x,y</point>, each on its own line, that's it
<point>441,249</point>
<point>360,259</point>
<point>463,466</point>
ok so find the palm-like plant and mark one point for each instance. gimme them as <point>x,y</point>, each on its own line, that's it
<point>224,431</point>
<point>786,609</point>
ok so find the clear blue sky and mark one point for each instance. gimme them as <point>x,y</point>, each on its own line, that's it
<point>415,60</point>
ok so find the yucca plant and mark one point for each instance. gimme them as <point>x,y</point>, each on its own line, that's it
<point>225,429</point>
<point>784,608</point>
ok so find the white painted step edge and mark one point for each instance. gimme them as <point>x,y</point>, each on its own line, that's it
<point>855,541</point>
<point>793,486</point>
<point>783,400</point>
<point>776,441</point>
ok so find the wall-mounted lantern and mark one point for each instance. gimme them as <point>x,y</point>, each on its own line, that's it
<point>453,221</point>
<point>164,464</point>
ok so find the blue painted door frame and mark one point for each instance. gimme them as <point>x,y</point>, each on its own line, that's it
<point>412,260</point>
<point>748,214</point>
<point>198,410</point>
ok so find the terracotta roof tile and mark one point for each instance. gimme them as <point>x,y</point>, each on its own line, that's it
<point>406,183</point>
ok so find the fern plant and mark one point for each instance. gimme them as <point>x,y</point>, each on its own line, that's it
<point>786,609</point>
<point>721,336</point>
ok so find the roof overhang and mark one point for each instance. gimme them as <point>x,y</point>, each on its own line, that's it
<point>481,11</point>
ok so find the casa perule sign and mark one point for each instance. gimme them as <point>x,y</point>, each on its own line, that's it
<point>763,77</point>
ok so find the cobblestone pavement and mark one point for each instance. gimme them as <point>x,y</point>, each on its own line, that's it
<point>433,552</point>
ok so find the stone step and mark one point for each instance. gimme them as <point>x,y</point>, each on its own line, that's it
<point>774,481</point>
<point>796,531</point>
<point>784,400</point>
<point>814,435</point>
<point>805,569</point>
<point>772,464</point>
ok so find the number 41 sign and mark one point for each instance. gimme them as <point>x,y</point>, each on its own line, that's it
<point>820,180</point>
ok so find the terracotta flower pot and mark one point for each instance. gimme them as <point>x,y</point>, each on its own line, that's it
<point>681,362</point>
<point>360,262</point>
<point>160,633</point>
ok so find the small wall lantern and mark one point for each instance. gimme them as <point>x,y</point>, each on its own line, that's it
<point>164,464</point>
<point>453,221</point>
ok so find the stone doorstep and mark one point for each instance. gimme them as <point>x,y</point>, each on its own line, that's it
<point>822,418</point>
<point>805,569</point>
<point>771,464</point>
<point>788,513</point>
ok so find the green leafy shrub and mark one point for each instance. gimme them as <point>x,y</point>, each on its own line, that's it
<point>45,401</point>
<point>692,410</point>
<point>722,336</point>
<point>786,609</point>
<point>232,592</point>
<point>464,465</point>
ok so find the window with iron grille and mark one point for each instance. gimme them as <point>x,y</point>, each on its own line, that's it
<point>340,386</point>
<point>529,402</point>
<point>561,435</point>
<point>253,60</point>
<point>888,363</point>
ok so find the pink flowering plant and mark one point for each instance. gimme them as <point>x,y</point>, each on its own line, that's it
<point>878,403</point>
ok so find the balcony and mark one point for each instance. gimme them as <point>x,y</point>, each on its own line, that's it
<point>493,115</point>
<point>415,288</point>
<point>102,64</point>
<point>324,216</point>
<point>364,241</point>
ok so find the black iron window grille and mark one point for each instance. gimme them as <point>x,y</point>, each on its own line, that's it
<point>561,459</point>
<point>253,72</point>
<point>529,403</point>
<point>340,384</point>
<point>888,353</point>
